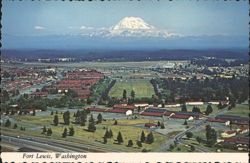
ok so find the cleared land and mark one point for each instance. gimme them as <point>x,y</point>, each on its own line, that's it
<point>142,88</point>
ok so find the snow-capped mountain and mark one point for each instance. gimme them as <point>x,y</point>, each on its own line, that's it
<point>132,23</point>
<point>133,27</point>
<point>128,33</point>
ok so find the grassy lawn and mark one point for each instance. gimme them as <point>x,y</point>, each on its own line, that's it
<point>142,88</point>
<point>34,124</point>
<point>202,108</point>
<point>239,110</point>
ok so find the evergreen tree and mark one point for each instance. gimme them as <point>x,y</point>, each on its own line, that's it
<point>64,134</point>
<point>107,134</point>
<point>198,139</point>
<point>56,121</point>
<point>189,135</point>
<point>51,113</point>
<point>15,126</point>
<point>150,138</point>
<point>124,94</point>
<point>105,140</point>
<point>184,108</point>
<point>158,124</point>
<point>115,123</point>
<point>77,113</point>
<point>171,147</point>
<point>110,133</point>
<point>71,131</point>
<point>139,108</point>
<point>99,118</point>
<point>66,117</point>
<point>81,117</point>
<point>211,135</point>
<point>34,112</point>
<point>91,126</point>
<point>196,109</point>
<point>185,122</point>
<point>143,138</point>
<point>56,112</point>
<point>209,110</point>
<point>91,119</point>
<point>133,94</point>
<point>220,106</point>
<point>7,123</point>
<point>162,125</point>
<point>130,143</point>
<point>44,130</point>
<point>49,132</point>
<point>119,138</point>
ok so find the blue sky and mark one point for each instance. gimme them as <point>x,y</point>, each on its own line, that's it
<point>27,18</point>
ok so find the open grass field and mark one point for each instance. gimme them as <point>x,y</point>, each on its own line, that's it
<point>34,125</point>
<point>239,110</point>
<point>142,88</point>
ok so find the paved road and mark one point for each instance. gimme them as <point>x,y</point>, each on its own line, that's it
<point>40,146</point>
<point>50,145</point>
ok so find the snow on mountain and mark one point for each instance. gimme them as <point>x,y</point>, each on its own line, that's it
<point>134,27</point>
<point>132,23</point>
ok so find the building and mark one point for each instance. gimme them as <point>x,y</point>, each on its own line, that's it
<point>124,106</point>
<point>39,94</point>
<point>182,116</point>
<point>129,112</point>
<point>79,82</point>
<point>233,119</point>
<point>150,125</point>
<point>194,103</point>
<point>228,134</point>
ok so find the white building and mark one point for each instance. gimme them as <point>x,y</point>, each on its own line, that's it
<point>129,112</point>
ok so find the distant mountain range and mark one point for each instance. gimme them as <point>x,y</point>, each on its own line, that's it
<point>125,55</point>
<point>129,33</point>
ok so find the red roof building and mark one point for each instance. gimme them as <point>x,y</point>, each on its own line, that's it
<point>124,106</point>
<point>150,125</point>
<point>39,94</point>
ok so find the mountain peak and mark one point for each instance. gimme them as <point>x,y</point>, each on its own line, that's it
<point>132,23</point>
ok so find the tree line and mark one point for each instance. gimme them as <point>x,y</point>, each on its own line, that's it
<point>177,90</point>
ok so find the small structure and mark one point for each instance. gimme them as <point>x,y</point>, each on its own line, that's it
<point>143,105</point>
<point>150,125</point>
<point>129,112</point>
<point>228,134</point>
<point>194,103</point>
<point>124,106</point>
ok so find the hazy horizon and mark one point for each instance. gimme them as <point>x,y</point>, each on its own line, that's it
<point>106,25</point>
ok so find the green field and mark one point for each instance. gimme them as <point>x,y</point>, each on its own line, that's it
<point>142,88</point>
<point>239,110</point>
<point>34,125</point>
